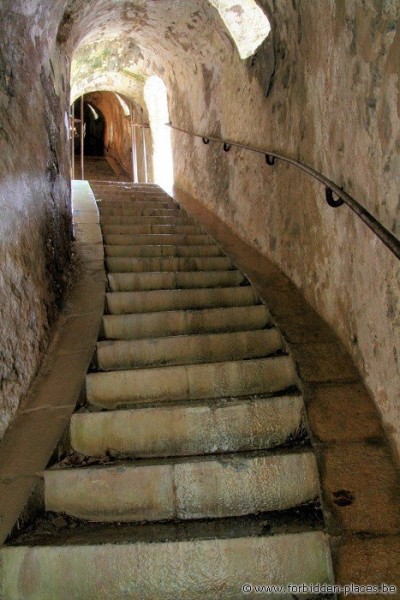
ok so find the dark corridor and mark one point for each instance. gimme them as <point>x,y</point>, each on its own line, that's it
<point>94,128</point>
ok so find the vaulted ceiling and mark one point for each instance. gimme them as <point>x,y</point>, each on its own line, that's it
<point>117,45</point>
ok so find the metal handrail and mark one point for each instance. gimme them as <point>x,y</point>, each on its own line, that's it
<point>331,188</point>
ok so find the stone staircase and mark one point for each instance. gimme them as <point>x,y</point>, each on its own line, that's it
<point>191,473</point>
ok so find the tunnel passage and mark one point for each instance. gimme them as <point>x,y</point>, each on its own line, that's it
<point>115,128</point>
<point>94,129</point>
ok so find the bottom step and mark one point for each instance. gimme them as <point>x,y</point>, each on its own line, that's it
<point>189,569</point>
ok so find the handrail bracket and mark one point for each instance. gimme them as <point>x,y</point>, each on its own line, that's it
<point>331,200</point>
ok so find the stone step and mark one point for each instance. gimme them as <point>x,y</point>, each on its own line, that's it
<point>115,186</point>
<point>157,239</point>
<point>147,265</point>
<point>203,562</point>
<point>187,430</point>
<point>169,228</point>
<point>131,282</point>
<point>164,300</point>
<point>163,250</point>
<point>110,196</point>
<point>185,322</point>
<point>123,192</point>
<point>184,349</point>
<point>200,488</point>
<point>138,205</point>
<point>103,194</point>
<point>168,208</point>
<point>142,211</point>
<point>128,196</point>
<point>124,185</point>
<point>177,219</point>
<point>190,382</point>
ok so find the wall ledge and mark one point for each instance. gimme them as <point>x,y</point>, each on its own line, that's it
<point>45,412</point>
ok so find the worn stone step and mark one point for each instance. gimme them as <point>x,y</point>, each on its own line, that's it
<point>163,250</point>
<point>207,428</point>
<point>138,205</point>
<point>164,300</point>
<point>124,562</point>
<point>104,208</point>
<point>135,209</point>
<point>178,219</point>
<point>157,238</point>
<point>131,282</point>
<point>142,211</point>
<point>133,229</point>
<point>127,186</point>
<point>115,186</point>
<point>199,488</point>
<point>187,382</point>
<point>132,196</point>
<point>128,193</point>
<point>106,195</point>
<point>184,349</point>
<point>128,196</point>
<point>146,265</point>
<point>185,322</point>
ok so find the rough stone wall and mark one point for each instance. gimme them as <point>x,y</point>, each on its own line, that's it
<point>34,194</point>
<point>325,90</point>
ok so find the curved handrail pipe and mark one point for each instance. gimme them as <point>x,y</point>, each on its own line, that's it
<point>380,231</point>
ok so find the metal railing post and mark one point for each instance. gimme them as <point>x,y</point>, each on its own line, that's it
<point>144,154</point>
<point>82,140</point>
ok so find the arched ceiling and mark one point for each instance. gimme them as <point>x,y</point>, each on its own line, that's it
<point>124,43</point>
<point>118,44</point>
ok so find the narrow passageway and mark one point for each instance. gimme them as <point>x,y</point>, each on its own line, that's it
<point>200,363</point>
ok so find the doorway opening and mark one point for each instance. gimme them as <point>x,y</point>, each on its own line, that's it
<point>93,129</point>
<point>156,98</point>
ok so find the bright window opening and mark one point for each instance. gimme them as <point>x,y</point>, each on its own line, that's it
<point>124,105</point>
<point>247,23</point>
<point>155,95</point>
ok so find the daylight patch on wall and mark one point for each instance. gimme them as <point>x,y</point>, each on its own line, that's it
<point>247,23</point>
